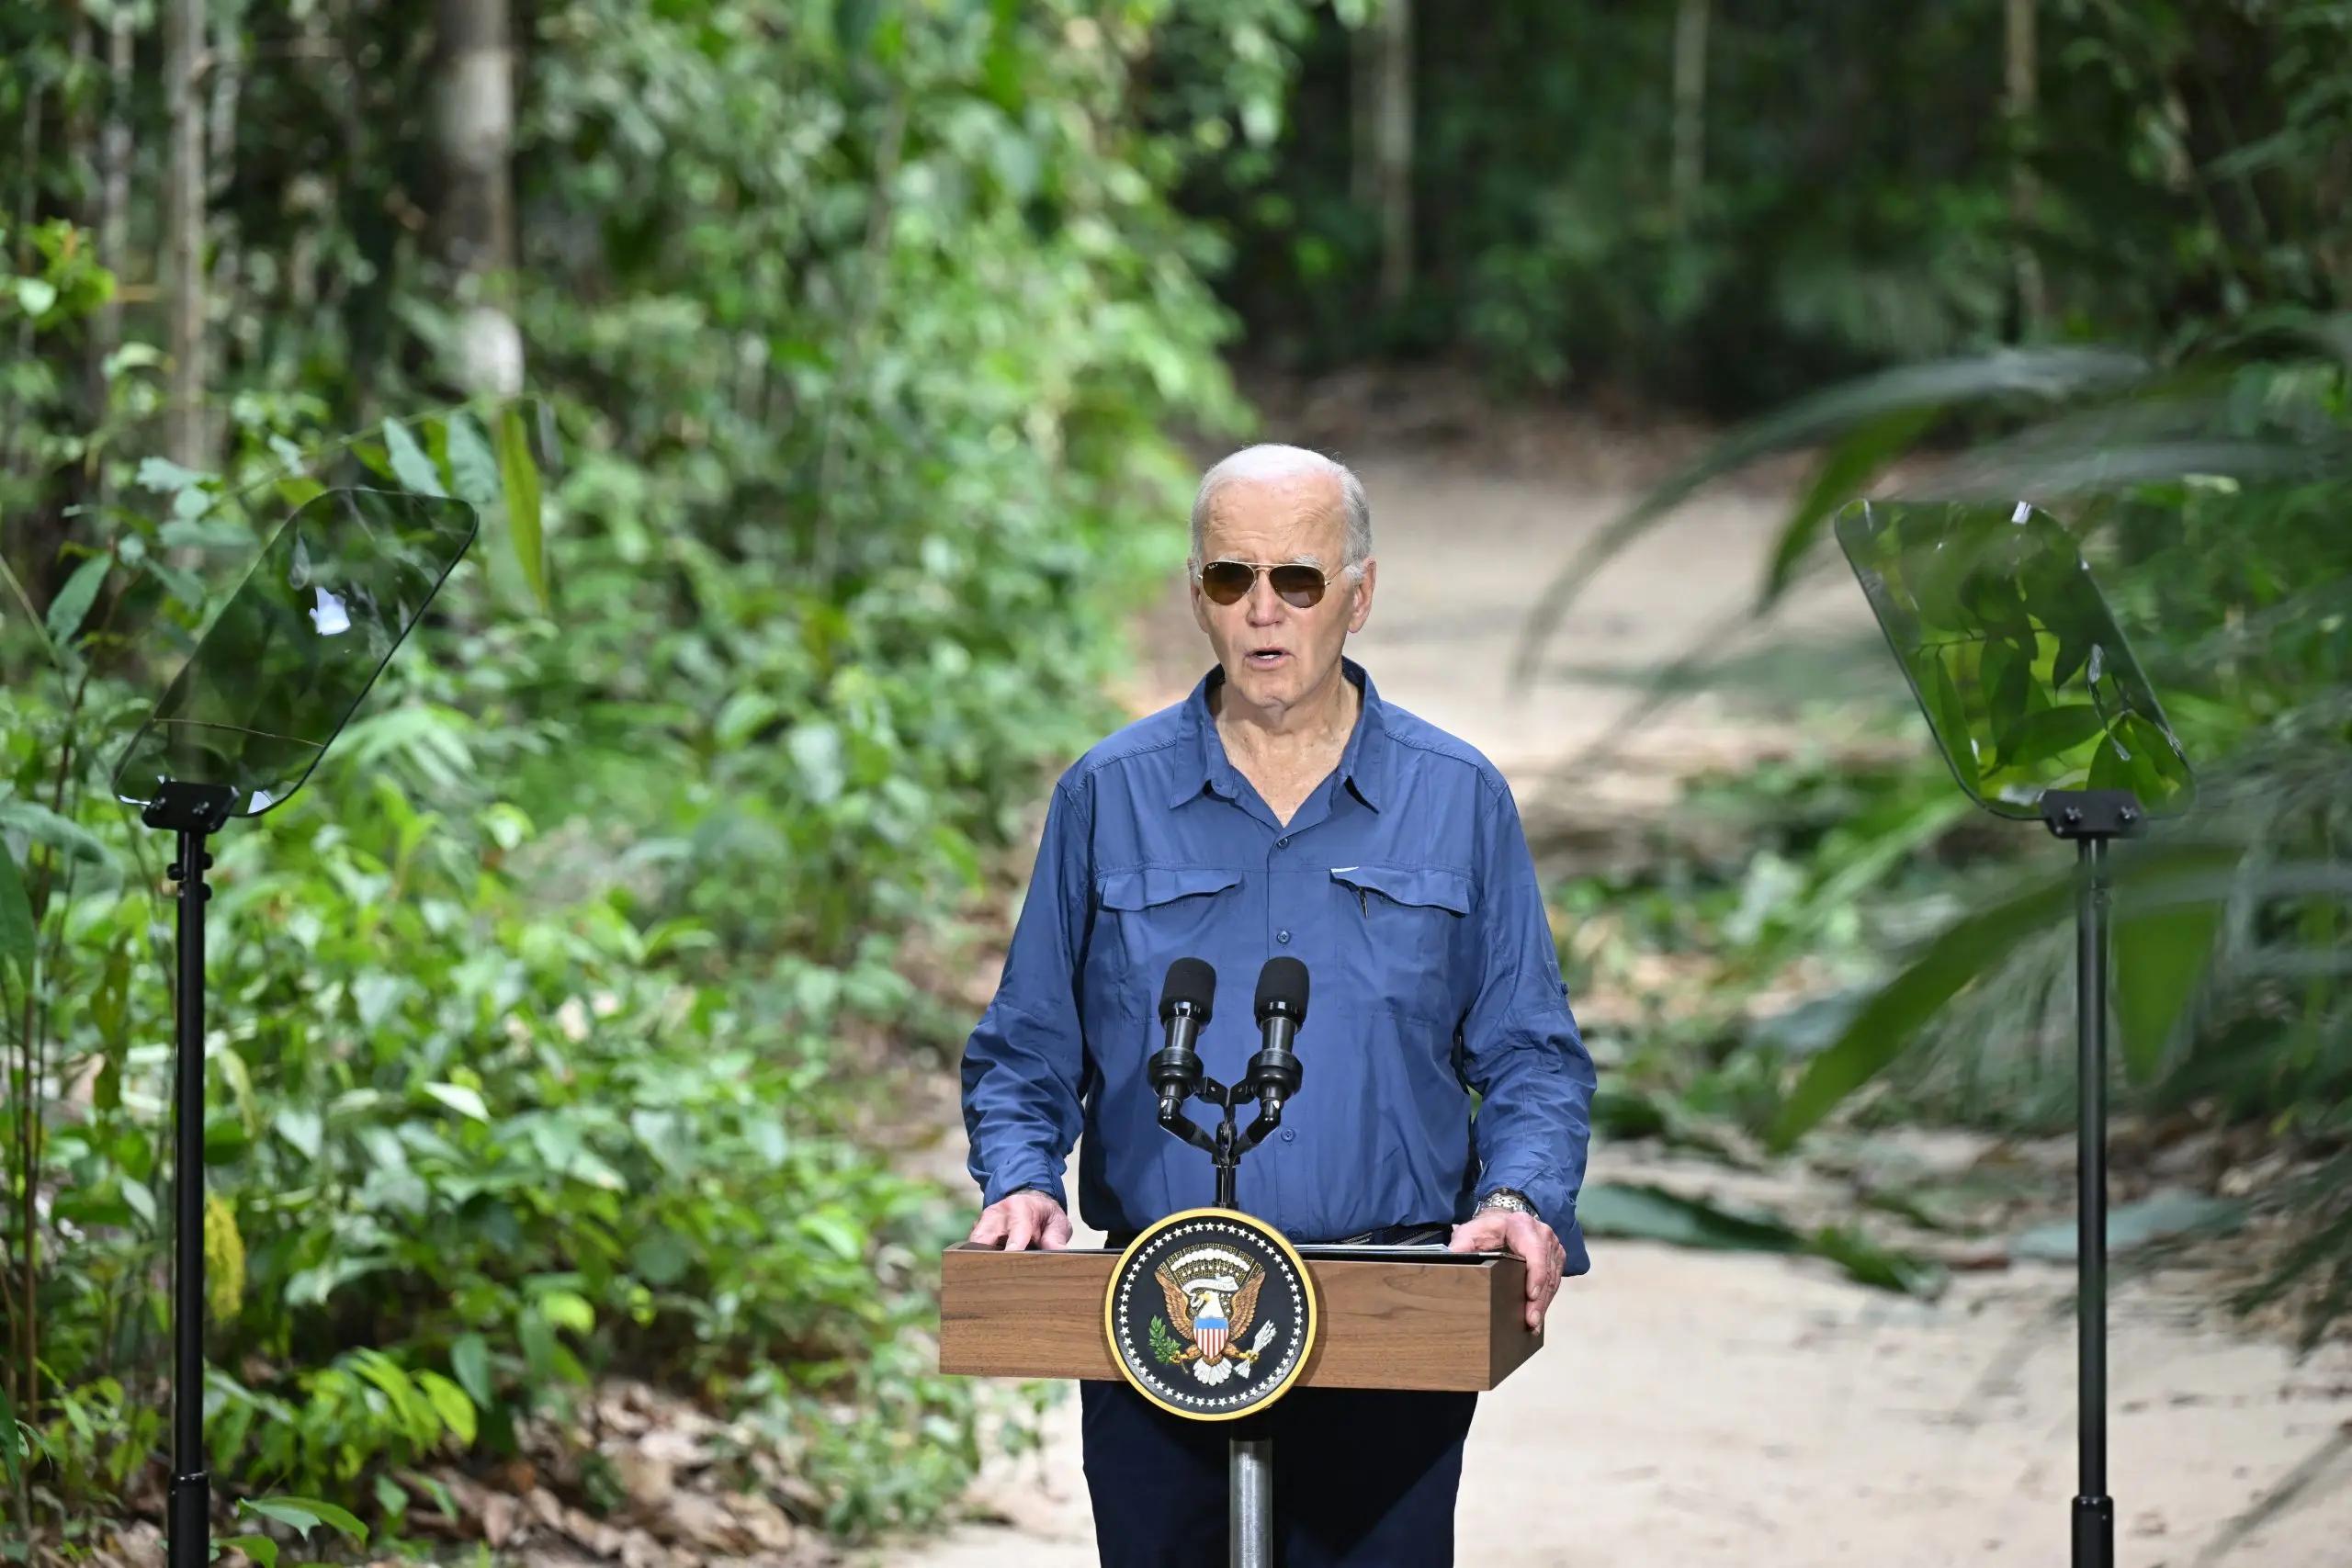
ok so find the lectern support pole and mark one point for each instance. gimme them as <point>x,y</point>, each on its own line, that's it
<point>1250,1540</point>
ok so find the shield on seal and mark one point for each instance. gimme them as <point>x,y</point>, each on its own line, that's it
<point>1208,1331</point>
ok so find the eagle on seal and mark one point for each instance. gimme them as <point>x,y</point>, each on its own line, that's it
<point>1212,1314</point>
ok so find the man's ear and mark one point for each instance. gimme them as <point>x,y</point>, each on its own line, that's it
<point>1200,603</point>
<point>1360,606</point>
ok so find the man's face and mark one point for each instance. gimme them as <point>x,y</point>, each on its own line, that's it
<point>1274,653</point>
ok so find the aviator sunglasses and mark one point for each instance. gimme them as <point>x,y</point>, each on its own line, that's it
<point>1298,584</point>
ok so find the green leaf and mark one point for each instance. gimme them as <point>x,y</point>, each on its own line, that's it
<point>1844,472</point>
<point>469,1358</point>
<point>568,1309</point>
<point>1651,1213</point>
<point>2161,1215</point>
<point>1999,377</point>
<point>35,294</point>
<point>410,464</point>
<point>16,934</point>
<point>459,1099</point>
<point>518,472</point>
<point>2038,737</point>
<point>260,1548</point>
<point>455,1410</point>
<point>59,832</point>
<point>1884,1024</point>
<point>473,467</point>
<point>1948,717</point>
<point>306,1513</point>
<point>2161,955</point>
<point>12,1439</point>
<point>1869,1263</point>
<point>72,606</point>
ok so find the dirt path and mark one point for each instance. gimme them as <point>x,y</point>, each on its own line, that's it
<point>1697,1409</point>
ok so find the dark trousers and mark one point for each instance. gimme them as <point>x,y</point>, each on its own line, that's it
<point>1363,1478</point>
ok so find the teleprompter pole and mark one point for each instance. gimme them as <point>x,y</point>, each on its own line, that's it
<point>2093,819</point>
<point>191,1496</point>
<point>2093,1509</point>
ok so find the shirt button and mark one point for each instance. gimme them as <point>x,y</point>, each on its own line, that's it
<point>1283,935</point>
<point>1290,1134</point>
<point>1282,844</point>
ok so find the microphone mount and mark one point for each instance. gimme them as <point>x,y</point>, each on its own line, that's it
<point>1272,1077</point>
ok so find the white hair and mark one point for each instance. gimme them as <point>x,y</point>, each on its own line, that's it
<point>1272,460</point>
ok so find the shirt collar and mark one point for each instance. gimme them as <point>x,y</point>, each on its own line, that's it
<point>1362,766</point>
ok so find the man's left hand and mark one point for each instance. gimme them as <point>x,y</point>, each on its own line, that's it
<point>1525,1236</point>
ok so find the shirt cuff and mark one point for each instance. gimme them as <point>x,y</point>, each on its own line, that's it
<point>1002,1184</point>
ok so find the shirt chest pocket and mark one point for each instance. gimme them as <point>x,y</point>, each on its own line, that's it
<point>1157,914</point>
<point>1401,934</point>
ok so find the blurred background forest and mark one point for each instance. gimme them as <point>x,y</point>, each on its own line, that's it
<point>556,1021</point>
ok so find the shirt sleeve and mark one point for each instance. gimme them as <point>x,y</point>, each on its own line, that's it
<point>1024,1066</point>
<point>1521,1051</point>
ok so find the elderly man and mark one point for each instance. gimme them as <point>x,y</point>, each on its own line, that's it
<point>1283,809</point>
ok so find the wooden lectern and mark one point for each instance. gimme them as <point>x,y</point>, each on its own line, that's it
<point>1407,1324</point>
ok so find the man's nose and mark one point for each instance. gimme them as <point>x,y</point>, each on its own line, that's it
<point>1265,605</point>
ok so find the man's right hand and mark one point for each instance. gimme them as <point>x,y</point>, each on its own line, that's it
<point>1020,1220</point>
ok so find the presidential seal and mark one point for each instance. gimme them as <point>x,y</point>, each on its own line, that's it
<point>1210,1313</point>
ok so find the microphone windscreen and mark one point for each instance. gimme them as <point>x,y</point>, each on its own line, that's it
<point>1281,988</point>
<point>1189,980</point>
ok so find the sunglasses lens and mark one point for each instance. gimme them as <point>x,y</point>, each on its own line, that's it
<point>1225,581</point>
<point>1300,586</point>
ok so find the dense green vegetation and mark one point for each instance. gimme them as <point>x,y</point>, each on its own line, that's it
<point>543,1015</point>
<point>530,1013</point>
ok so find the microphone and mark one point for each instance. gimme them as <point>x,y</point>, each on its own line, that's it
<point>1185,999</point>
<point>1281,1008</point>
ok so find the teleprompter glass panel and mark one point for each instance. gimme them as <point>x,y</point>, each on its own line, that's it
<point>291,654</point>
<point>358,540</point>
<point>2013,653</point>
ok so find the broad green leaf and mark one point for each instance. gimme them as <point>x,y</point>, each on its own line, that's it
<point>411,465</point>
<point>2161,956</point>
<point>260,1548</point>
<point>25,603</point>
<point>1951,718</point>
<point>2039,735</point>
<point>72,606</point>
<point>306,1513</point>
<point>12,1443</point>
<point>568,1309</point>
<point>459,1099</point>
<point>1887,1021</point>
<point>473,467</point>
<point>2163,1214</point>
<point>469,1358</point>
<point>455,1410</point>
<point>2002,376</point>
<point>1869,1263</point>
<point>518,472</point>
<point>16,933</point>
<point>59,832</point>
<point>1651,1213</point>
<point>1844,472</point>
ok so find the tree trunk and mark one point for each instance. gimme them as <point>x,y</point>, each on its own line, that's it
<point>474,136</point>
<point>183,203</point>
<point>224,77</point>
<point>1383,120</point>
<point>114,202</point>
<point>2022,77</point>
<point>1689,108</point>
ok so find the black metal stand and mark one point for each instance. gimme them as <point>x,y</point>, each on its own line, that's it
<point>2092,819</point>
<point>195,812</point>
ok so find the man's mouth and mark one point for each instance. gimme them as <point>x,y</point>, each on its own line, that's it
<point>1267,657</point>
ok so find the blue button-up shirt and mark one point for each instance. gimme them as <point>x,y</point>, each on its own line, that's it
<point>1404,884</point>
